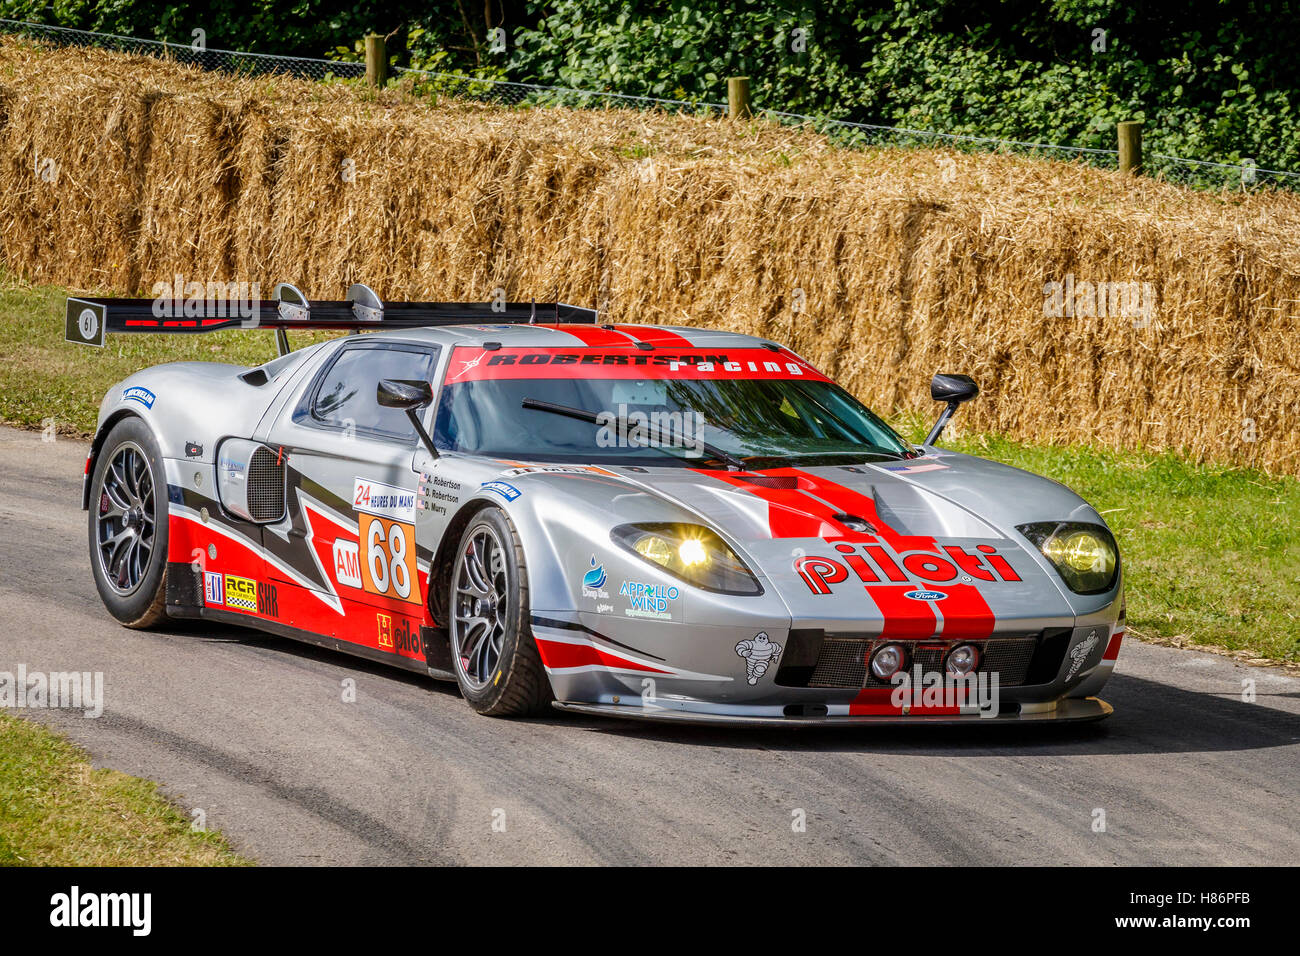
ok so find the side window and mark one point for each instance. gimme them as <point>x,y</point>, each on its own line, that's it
<point>344,397</point>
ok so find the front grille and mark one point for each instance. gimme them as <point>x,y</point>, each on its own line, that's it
<point>266,485</point>
<point>842,661</point>
<point>1009,660</point>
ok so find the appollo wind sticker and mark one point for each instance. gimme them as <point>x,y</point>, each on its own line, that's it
<point>649,600</point>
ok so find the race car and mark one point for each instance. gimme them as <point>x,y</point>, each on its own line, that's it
<point>672,524</point>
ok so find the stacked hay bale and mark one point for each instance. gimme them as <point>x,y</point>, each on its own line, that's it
<point>1179,329</point>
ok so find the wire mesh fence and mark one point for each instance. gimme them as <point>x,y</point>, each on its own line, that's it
<point>844,133</point>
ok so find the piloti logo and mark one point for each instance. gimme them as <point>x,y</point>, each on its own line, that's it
<point>875,563</point>
<point>401,638</point>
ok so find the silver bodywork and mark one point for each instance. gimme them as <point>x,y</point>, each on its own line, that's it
<point>685,656</point>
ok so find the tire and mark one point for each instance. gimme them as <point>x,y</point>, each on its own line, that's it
<point>128,525</point>
<point>493,651</point>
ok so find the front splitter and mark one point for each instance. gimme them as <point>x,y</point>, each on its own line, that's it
<point>1069,710</point>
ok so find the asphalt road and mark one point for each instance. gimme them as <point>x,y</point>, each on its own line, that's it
<point>254,731</point>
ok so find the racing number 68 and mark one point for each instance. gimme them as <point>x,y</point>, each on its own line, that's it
<point>389,568</point>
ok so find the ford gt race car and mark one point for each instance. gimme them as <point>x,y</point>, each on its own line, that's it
<point>625,520</point>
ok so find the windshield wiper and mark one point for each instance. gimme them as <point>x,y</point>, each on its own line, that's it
<point>594,418</point>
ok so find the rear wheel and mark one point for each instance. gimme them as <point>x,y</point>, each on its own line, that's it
<point>492,648</point>
<point>128,525</point>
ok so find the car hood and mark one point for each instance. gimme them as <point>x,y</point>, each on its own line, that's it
<point>903,548</point>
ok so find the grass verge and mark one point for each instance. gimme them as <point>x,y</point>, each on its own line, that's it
<point>45,379</point>
<point>1212,554</point>
<point>56,810</point>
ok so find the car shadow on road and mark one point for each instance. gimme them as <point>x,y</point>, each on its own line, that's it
<point>1150,717</point>
<point>261,643</point>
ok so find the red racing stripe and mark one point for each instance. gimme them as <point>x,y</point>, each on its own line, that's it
<point>648,333</point>
<point>966,615</point>
<point>592,335</point>
<point>557,655</point>
<point>875,701</point>
<point>852,502</point>
<point>904,618</point>
<point>790,512</point>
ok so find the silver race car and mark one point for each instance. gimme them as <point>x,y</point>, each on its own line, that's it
<point>662,523</point>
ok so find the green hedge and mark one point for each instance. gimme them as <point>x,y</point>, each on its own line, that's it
<point>1213,80</point>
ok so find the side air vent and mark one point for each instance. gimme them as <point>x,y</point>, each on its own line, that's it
<point>250,480</point>
<point>266,486</point>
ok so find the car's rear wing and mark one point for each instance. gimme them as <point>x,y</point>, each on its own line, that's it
<point>87,321</point>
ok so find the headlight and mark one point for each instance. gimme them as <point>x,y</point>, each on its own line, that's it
<point>691,552</point>
<point>1083,554</point>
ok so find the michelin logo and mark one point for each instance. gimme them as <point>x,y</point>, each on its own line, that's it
<point>138,393</point>
<point>760,653</point>
<point>504,489</point>
<point>1080,654</point>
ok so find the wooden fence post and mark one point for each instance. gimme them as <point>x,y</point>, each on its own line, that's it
<point>738,97</point>
<point>376,61</point>
<point>1130,147</point>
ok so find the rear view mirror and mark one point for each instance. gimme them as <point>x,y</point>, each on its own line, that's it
<point>404,394</point>
<point>410,397</point>
<point>953,389</point>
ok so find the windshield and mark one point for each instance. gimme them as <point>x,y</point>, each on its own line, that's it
<point>763,421</point>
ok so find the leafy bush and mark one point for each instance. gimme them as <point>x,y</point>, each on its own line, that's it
<point>1212,80</point>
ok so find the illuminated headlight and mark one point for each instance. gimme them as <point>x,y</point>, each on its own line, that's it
<point>888,661</point>
<point>962,660</point>
<point>1084,555</point>
<point>692,552</point>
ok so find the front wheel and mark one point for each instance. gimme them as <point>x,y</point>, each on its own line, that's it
<point>492,648</point>
<point>128,525</point>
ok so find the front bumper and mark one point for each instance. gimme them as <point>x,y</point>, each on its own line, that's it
<point>1068,710</point>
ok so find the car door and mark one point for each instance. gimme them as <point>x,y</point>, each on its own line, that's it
<point>347,557</point>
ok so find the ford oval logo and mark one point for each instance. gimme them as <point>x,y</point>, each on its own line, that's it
<point>925,595</point>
